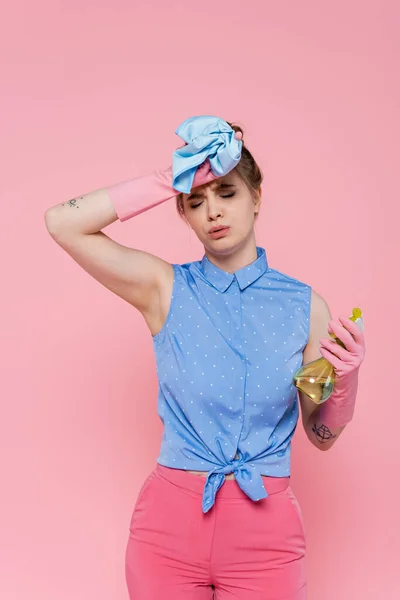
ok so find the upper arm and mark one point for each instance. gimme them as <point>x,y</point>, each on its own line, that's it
<point>136,276</point>
<point>319,318</point>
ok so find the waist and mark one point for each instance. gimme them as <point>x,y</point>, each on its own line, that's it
<point>268,467</point>
<point>188,480</point>
<point>205,473</point>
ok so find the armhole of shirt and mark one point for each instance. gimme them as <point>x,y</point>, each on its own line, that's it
<point>159,337</point>
<point>308,314</point>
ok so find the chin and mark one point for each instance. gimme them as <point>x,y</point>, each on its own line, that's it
<point>222,246</point>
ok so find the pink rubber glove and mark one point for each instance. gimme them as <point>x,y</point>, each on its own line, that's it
<point>132,197</point>
<point>338,410</point>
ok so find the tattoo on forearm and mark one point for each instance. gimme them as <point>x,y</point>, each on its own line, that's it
<point>73,202</point>
<point>323,433</point>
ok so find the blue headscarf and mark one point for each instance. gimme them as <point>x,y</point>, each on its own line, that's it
<point>206,137</point>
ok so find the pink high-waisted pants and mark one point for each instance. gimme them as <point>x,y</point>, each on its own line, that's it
<point>239,550</point>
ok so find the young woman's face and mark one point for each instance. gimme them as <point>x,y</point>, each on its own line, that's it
<point>225,202</point>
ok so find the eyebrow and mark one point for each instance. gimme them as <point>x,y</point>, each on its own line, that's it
<point>217,187</point>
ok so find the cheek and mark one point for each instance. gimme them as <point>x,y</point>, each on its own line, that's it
<point>194,218</point>
<point>245,213</point>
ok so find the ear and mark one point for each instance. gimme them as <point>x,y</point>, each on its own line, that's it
<point>257,200</point>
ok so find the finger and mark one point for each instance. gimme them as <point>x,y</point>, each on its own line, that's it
<point>342,353</point>
<point>334,360</point>
<point>353,328</point>
<point>344,336</point>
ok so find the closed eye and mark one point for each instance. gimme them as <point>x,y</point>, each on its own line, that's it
<point>222,196</point>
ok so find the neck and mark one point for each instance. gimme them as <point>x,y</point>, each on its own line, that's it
<point>236,259</point>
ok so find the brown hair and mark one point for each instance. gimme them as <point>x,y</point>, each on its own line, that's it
<point>247,169</point>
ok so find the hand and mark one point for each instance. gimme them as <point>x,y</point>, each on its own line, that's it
<point>346,361</point>
<point>204,174</point>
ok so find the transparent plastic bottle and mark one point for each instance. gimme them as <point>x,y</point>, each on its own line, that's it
<point>317,378</point>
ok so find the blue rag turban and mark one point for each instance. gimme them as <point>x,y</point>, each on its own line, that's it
<point>206,137</point>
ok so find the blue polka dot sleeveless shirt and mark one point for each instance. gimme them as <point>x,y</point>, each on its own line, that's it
<point>225,360</point>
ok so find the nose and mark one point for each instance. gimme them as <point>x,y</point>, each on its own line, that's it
<point>213,208</point>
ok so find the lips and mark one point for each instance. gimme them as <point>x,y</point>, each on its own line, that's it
<point>218,228</point>
<point>218,232</point>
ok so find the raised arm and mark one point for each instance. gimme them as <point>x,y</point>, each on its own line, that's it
<point>136,276</point>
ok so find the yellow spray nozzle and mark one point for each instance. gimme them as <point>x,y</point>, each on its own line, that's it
<point>356,314</point>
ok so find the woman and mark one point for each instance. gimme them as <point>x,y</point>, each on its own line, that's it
<point>217,512</point>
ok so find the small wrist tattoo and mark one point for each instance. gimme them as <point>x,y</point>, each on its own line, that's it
<point>72,203</point>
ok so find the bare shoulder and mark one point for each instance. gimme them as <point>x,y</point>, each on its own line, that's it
<point>320,315</point>
<point>319,307</point>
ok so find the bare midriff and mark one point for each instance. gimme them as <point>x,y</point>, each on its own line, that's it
<point>205,473</point>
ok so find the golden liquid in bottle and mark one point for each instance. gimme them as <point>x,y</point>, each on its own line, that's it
<point>316,380</point>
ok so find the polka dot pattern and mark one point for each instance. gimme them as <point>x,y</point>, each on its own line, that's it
<point>225,359</point>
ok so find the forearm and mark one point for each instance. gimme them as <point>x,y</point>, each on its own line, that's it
<point>325,422</point>
<point>89,213</point>
<point>92,212</point>
<point>319,434</point>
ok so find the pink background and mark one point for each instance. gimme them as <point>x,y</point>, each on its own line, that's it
<point>91,94</point>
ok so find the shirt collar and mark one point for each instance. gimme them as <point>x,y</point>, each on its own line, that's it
<point>246,276</point>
